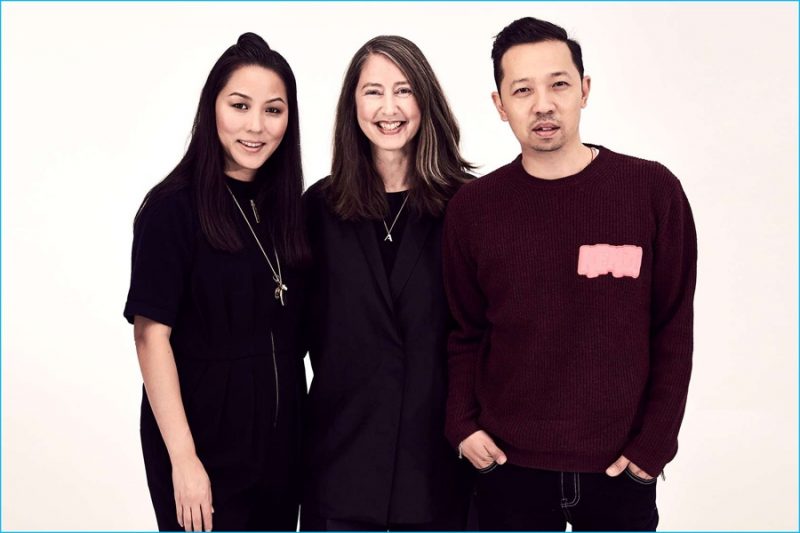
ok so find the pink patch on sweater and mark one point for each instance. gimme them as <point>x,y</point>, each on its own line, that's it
<point>599,259</point>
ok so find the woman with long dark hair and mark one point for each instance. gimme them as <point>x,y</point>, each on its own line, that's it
<point>215,297</point>
<point>376,457</point>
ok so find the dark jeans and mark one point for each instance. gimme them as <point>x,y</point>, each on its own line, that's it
<point>512,498</point>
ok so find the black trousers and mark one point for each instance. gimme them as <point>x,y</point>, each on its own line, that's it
<point>310,520</point>
<point>512,498</point>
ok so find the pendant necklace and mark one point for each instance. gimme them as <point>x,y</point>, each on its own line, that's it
<point>390,228</point>
<point>280,287</point>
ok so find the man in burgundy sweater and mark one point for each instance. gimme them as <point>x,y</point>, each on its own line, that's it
<point>570,273</point>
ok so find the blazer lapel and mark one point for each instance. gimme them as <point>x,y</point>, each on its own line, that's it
<point>366,236</point>
<point>414,235</point>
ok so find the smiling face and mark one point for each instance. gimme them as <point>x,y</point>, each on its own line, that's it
<point>386,108</point>
<point>541,96</point>
<point>252,115</point>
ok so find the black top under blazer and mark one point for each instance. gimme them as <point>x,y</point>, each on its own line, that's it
<point>375,448</point>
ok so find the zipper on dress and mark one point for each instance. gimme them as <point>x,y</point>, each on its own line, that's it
<point>277,387</point>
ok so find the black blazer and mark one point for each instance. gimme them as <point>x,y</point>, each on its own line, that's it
<point>375,448</point>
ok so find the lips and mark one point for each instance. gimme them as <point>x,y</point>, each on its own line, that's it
<point>390,127</point>
<point>545,129</point>
<point>251,146</point>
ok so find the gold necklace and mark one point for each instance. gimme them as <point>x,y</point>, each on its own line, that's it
<point>276,275</point>
<point>390,228</point>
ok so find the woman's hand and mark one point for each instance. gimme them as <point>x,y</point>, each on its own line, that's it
<point>192,494</point>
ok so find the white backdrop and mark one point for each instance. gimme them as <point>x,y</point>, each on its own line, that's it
<point>97,104</point>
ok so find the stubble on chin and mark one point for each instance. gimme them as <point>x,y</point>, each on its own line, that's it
<point>546,147</point>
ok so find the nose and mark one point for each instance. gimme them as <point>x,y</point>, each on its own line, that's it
<point>389,103</point>
<point>255,122</point>
<point>542,103</point>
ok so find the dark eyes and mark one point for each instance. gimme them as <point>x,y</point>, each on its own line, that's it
<point>525,90</point>
<point>402,91</point>
<point>241,106</point>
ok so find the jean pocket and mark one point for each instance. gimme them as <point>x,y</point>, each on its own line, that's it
<point>487,469</point>
<point>640,480</point>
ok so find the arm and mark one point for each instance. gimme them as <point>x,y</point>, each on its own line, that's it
<point>465,343</point>
<point>671,336</point>
<point>189,479</point>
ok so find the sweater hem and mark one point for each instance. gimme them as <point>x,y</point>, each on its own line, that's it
<point>558,461</point>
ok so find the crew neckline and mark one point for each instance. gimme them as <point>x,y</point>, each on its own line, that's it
<point>243,188</point>
<point>592,171</point>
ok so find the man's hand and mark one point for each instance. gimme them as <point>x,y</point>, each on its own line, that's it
<point>621,464</point>
<point>481,450</point>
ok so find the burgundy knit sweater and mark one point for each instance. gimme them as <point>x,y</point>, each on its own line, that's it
<point>573,301</point>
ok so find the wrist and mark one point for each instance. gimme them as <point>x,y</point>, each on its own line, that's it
<point>458,433</point>
<point>182,454</point>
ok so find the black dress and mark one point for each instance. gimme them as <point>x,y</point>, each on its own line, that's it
<point>238,357</point>
<point>376,456</point>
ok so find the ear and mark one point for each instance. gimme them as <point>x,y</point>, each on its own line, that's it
<point>586,84</point>
<point>498,103</point>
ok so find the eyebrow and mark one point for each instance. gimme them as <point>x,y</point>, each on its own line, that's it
<point>552,75</point>
<point>276,99</point>
<point>373,84</point>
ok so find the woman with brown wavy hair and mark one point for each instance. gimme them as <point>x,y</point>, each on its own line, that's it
<point>376,457</point>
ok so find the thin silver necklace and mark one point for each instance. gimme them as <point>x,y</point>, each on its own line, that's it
<point>390,228</point>
<point>280,287</point>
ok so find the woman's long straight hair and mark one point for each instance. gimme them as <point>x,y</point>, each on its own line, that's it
<point>202,168</point>
<point>355,190</point>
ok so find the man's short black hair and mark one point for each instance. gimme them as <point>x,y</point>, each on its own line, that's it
<point>528,30</point>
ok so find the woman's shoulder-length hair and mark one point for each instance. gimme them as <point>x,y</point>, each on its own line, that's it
<point>355,191</point>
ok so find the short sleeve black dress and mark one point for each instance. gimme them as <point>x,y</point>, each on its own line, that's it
<point>238,355</point>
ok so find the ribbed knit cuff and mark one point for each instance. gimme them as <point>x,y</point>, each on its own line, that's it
<point>651,461</point>
<point>457,432</point>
